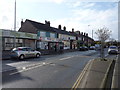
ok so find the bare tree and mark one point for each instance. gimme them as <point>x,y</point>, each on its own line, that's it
<point>103,34</point>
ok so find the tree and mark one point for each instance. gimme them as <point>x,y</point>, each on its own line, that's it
<point>103,34</point>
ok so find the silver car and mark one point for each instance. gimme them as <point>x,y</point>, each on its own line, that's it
<point>24,52</point>
<point>113,50</point>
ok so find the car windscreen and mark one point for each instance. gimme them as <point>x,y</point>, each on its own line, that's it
<point>113,47</point>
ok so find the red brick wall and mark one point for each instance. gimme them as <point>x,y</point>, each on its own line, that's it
<point>28,27</point>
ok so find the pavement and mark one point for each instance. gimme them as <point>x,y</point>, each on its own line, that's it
<point>116,74</point>
<point>96,74</point>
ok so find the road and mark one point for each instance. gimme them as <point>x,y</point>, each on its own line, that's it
<point>52,71</point>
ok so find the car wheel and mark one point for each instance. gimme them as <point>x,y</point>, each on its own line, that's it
<point>37,55</point>
<point>21,57</point>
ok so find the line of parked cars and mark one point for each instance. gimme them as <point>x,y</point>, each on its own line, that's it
<point>85,48</point>
<point>26,52</point>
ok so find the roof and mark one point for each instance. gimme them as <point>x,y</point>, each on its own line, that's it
<point>61,31</point>
<point>40,26</point>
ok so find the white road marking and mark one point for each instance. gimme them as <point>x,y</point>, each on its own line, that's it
<point>65,58</point>
<point>34,66</point>
<point>24,62</point>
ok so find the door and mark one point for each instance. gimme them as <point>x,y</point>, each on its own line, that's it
<point>30,53</point>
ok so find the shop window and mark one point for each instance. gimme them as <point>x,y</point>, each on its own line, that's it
<point>42,34</point>
<point>42,45</point>
<point>8,40</point>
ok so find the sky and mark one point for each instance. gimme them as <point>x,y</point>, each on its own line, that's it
<point>82,15</point>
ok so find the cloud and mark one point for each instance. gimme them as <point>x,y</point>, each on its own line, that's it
<point>83,4</point>
<point>81,18</point>
<point>43,1</point>
<point>6,14</point>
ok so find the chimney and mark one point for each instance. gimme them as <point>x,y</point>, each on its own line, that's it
<point>84,34</point>
<point>59,26</point>
<point>47,22</point>
<point>72,29</point>
<point>64,28</point>
<point>87,34</point>
<point>22,22</point>
<point>79,32</point>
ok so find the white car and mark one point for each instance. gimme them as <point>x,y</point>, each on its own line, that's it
<point>24,52</point>
<point>66,47</point>
<point>113,50</point>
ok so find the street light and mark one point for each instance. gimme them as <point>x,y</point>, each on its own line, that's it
<point>92,31</point>
<point>14,25</point>
<point>92,34</point>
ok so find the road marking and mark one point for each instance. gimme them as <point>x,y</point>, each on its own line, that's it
<point>23,62</point>
<point>66,58</point>
<point>26,69</point>
<point>85,56</point>
<point>77,83</point>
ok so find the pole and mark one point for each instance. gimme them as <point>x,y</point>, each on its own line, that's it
<point>15,25</point>
<point>92,34</point>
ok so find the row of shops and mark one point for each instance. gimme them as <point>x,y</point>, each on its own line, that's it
<point>23,39</point>
<point>41,36</point>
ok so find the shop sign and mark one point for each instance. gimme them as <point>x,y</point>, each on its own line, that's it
<point>8,33</point>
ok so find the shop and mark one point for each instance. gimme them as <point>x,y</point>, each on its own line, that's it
<point>73,42</point>
<point>21,39</point>
<point>51,44</point>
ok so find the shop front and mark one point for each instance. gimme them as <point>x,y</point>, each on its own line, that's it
<point>73,42</point>
<point>49,44</point>
<point>21,39</point>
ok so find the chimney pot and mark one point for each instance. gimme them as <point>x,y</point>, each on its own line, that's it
<point>22,22</point>
<point>72,29</point>
<point>59,26</point>
<point>64,28</point>
<point>47,22</point>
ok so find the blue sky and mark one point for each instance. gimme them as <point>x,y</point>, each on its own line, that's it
<point>77,14</point>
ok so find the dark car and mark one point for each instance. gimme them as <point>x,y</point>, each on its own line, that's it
<point>83,48</point>
<point>92,48</point>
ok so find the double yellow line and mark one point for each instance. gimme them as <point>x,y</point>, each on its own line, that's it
<point>78,81</point>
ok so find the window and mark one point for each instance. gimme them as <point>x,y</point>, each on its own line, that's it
<point>47,34</point>
<point>42,34</point>
<point>52,35</point>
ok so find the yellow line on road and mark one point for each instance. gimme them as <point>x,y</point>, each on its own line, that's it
<point>77,83</point>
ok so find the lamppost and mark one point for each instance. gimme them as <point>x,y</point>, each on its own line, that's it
<point>92,31</point>
<point>92,34</point>
<point>14,45</point>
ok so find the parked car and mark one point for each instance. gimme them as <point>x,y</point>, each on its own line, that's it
<point>66,47</point>
<point>24,52</point>
<point>83,48</point>
<point>92,48</point>
<point>97,46</point>
<point>113,50</point>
